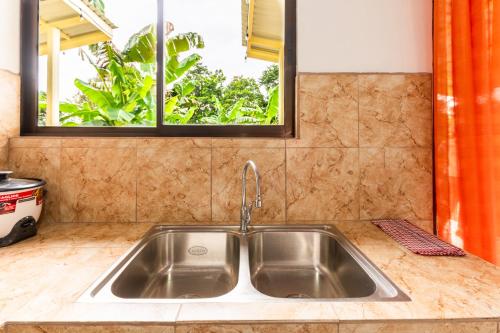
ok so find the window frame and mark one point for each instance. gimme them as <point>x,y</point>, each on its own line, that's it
<point>29,90</point>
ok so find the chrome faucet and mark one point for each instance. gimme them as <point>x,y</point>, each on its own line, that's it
<point>246,210</point>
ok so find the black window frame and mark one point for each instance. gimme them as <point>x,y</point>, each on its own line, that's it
<point>29,90</point>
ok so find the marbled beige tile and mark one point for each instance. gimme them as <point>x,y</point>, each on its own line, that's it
<point>9,106</point>
<point>258,328</point>
<point>35,142</point>
<point>347,311</point>
<point>98,185</point>
<point>4,153</point>
<point>419,327</point>
<point>328,107</point>
<point>173,185</point>
<point>396,183</point>
<point>248,143</point>
<point>322,184</point>
<point>76,142</point>
<point>87,235</point>
<point>177,143</point>
<point>395,110</point>
<point>460,279</point>
<point>41,163</point>
<point>227,168</point>
<point>85,328</point>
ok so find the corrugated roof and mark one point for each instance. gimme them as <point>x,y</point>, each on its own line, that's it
<point>79,21</point>
<point>266,29</point>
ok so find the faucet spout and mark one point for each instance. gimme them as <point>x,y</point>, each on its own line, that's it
<point>246,209</point>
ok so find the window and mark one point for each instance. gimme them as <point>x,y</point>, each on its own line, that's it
<point>158,68</point>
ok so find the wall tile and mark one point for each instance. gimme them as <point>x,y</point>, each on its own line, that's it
<point>35,142</point>
<point>4,153</point>
<point>420,327</point>
<point>41,163</point>
<point>258,328</point>
<point>174,143</point>
<point>322,184</point>
<point>98,185</point>
<point>328,111</point>
<point>181,181</point>
<point>65,328</point>
<point>248,143</point>
<point>395,110</point>
<point>173,185</point>
<point>396,183</point>
<point>99,143</point>
<point>227,166</point>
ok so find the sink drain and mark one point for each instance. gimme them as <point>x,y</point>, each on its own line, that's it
<point>298,296</point>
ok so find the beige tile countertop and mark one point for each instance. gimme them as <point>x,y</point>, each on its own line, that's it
<point>42,278</point>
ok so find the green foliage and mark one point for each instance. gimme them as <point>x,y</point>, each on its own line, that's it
<point>270,77</point>
<point>175,67</point>
<point>198,88</point>
<point>123,91</point>
<point>202,97</point>
<point>122,94</point>
<point>42,108</point>
<point>98,4</point>
<point>141,47</point>
<point>242,88</point>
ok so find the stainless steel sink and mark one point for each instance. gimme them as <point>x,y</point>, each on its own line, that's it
<point>305,264</point>
<point>220,264</point>
<point>181,264</point>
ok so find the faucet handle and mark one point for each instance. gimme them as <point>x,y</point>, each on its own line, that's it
<point>258,202</point>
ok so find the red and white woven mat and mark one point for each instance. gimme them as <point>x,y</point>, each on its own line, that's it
<point>417,240</point>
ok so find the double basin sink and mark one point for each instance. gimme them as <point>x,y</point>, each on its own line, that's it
<point>221,264</point>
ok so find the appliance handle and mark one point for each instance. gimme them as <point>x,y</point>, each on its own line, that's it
<point>4,175</point>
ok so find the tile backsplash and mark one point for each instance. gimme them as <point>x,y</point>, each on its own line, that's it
<point>364,151</point>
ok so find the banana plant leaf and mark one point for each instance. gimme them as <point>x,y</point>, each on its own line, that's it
<point>183,43</point>
<point>273,107</point>
<point>141,47</point>
<point>101,98</point>
<point>174,69</point>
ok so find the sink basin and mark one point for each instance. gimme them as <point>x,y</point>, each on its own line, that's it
<point>176,264</point>
<point>305,264</point>
<point>181,265</point>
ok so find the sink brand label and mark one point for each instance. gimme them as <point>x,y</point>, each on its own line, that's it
<point>197,250</point>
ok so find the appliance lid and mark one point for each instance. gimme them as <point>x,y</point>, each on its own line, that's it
<point>8,184</point>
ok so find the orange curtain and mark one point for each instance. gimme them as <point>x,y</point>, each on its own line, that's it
<point>467,124</point>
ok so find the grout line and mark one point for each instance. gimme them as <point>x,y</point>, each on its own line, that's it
<point>359,153</point>
<point>136,180</point>
<point>59,185</point>
<point>286,183</point>
<point>211,180</point>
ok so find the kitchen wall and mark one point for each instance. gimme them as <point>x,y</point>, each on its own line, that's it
<point>9,112</point>
<point>364,36</point>
<point>9,75</point>
<point>364,152</point>
<point>364,149</point>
